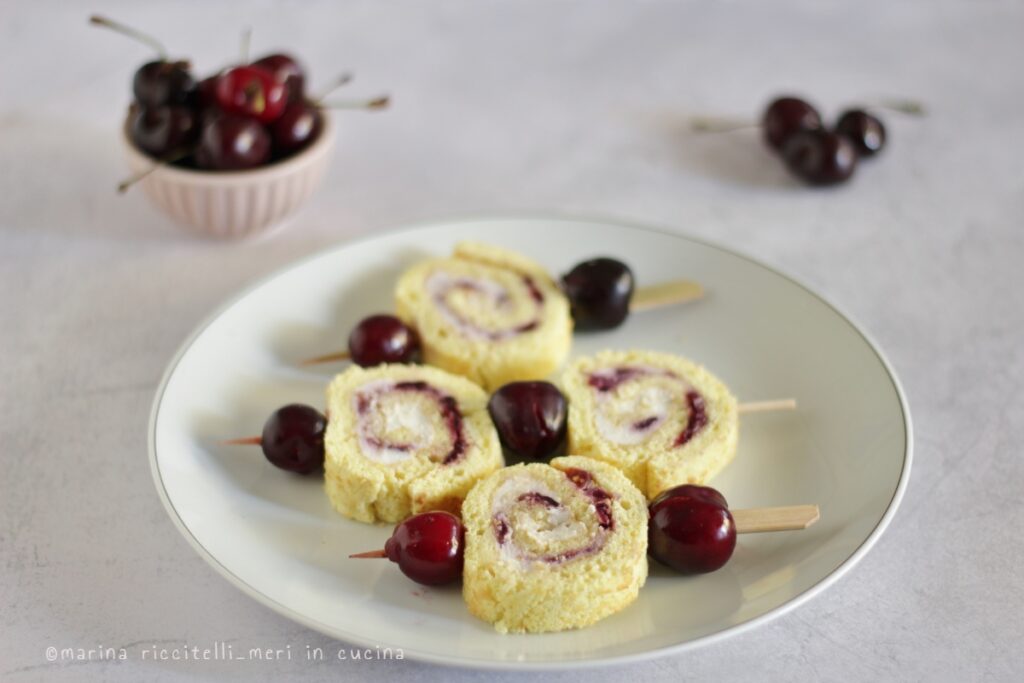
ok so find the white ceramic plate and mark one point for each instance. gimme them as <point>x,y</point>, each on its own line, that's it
<point>274,535</point>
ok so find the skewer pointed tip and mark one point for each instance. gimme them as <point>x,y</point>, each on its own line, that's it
<point>244,441</point>
<point>328,358</point>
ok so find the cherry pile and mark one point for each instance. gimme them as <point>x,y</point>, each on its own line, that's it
<point>244,116</point>
<point>819,156</point>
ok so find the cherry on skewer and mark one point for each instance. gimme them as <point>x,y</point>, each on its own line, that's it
<point>692,530</point>
<point>530,418</point>
<point>377,339</point>
<point>599,292</point>
<point>292,438</point>
<point>427,547</point>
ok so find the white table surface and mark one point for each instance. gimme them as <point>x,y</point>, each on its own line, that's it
<point>526,106</point>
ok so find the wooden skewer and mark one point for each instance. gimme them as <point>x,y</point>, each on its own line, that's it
<point>786,518</point>
<point>665,294</point>
<point>644,298</point>
<point>244,441</point>
<point>765,406</point>
<point>329,358</point>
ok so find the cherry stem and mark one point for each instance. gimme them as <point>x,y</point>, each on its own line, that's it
<point>370,554</point>
<point>123,186</point>
<point>244,441</point>
<point>97,20</point>
<point>246,42</point>
<point>714,124</point>
<point>343,79</point>
<point>709,124</point>
<point>909,107</point>
<point>376,103</point>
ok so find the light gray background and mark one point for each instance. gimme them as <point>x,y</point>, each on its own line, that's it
<point>539,105</point>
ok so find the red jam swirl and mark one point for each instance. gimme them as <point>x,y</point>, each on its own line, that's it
<point>447,406</point>
<point>600,499</point>
<point>606,381</point>
<point>499,299</point>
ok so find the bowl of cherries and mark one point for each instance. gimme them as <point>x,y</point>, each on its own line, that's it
<point>231,155</point>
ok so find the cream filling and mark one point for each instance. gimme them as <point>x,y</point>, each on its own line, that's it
<point>556,525</point>
<point>616,420</point>
<point>440,283</point>
<point>401,416</point>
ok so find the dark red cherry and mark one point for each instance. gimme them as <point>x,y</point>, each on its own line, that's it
<point>162,82</point>
<point>786,116</point>
<point>287,70</point>
<point>530,418</point>
<point>819,157</point>
<point>231,143</point>
<point>704,493</point>
<point>383,339</point>
<point>691,529</point>
<point>295,129</point>
<point>865,131</point>
<point>163,131</point>
<point>205,96</point>
<point>293,438</point>
<point>428,548</point>
<point>599,291</point>
<point>252,92</point>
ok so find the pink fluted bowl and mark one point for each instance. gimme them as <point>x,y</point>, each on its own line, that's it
<point>235,204</point>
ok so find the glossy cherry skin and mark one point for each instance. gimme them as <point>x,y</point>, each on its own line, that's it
<point>161,82</point>
<point>231,143</point>
<point>819,157</point>
<point>530,418</point>
<point>205,94</point>
<point>252,92</point>
<point>286,69</point>
<point>163,131</point>
<point>865,131</point>
<point>293,438</point>
<point>786,116</point>
<point>599,291</point>
<point>691,529</point>
<point>295,129</point>
<point>383,339</point>
<point>428,548</point>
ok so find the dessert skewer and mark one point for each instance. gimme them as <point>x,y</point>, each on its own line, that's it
<point>572,539</point>
<point>660,418</point>
<point>496,316</point>
<point>401,439</point>
<point>644,299</point>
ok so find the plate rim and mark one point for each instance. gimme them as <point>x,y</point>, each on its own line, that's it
<point>554,665</point>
